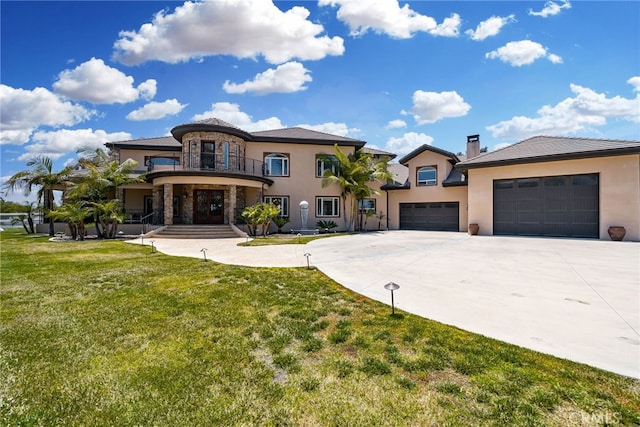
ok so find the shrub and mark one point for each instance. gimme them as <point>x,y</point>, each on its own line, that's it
<point>326,225</point>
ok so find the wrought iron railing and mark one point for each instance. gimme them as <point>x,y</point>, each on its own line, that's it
<point>210,162</point>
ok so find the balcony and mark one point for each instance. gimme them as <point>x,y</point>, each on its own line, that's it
<point>207,163</point>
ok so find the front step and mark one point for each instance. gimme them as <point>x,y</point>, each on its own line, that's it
<point>196,232</point>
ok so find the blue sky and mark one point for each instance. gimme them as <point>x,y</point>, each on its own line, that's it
<point>395,74</point>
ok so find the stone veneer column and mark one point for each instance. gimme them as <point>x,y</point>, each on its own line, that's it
<point>232,204</point>
<point>168,204</point>
<point>157,202</point>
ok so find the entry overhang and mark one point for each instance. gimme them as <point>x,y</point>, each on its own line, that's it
<point>199,178</point>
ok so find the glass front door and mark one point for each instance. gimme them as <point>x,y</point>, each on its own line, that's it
<point>208,207</point>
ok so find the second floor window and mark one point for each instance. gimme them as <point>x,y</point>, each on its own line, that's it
<point>276,165</point>
<point>326,163</point>
<point>427,175</point>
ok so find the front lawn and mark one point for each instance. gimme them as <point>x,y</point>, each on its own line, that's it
<point>101,333</point>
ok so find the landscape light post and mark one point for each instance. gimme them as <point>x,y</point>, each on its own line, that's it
<point>204,253</point>
<point>307,255</point>
<point>392,287</point>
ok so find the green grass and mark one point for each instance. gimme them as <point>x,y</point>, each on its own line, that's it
<point>288,239</point>
<point>106,333</point>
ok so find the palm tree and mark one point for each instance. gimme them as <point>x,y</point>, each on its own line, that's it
<point>342,173</point>
<point>354,173</point>
<point>75,214</point>
<point>41,175</point>
<point>99,178</point>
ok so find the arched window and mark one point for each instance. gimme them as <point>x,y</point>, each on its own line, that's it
<point>276,165</point>
<point>427,175</point>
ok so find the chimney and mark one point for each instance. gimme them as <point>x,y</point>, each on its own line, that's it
<point>473,146</point>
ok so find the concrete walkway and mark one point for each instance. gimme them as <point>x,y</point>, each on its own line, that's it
<point>227,251</point>
<point>575,299</point>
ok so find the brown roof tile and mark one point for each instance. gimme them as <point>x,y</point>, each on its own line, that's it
<point>302,134</point>
<point>549,148</point>
<point>158,142</point>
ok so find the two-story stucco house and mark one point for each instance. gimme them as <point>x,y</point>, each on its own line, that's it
<point>208,171</point>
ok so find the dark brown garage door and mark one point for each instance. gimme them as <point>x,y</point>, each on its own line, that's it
<point>562,206</point>
<point>429,216</point>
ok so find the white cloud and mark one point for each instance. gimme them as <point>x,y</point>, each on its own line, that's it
<point>56,144</point>
<point>554,58</point>
<point>490,27</point>
<point>286,78</point>
<point>551,8</point>
<point>387,17</point>
<point>407,143</point>
<point>231,113</point>
<point>147,89</point>
<point>635,82</point>
<point>396,124</point>
<point>340,129</point>
<point>450,27</point>
<point>523,52</point>
<point>429,107</point>
<point>242,28</point>
<point>23,111</point>
<point>156,110</point>
<point>586,109</point>
<point>96,82</point>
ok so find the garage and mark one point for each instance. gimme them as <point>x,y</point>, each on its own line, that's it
<point>438,216</point>
<point>557,206</point>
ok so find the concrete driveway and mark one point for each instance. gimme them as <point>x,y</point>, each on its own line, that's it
<point>575,299</point>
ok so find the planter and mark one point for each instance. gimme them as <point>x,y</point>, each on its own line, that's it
<point>617,232</point>
<point>473,229</point>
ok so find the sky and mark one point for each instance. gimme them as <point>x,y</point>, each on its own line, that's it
<point>74,75</point>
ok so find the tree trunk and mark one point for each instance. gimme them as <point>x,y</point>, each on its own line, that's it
<point>48,206</point>
<point>31,229</point>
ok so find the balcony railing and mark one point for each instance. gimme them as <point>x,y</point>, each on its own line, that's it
<point>209,162</point>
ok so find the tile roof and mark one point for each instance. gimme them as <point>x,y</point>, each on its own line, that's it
<point>158,142</point>
<point>377,152</point>
<point>400,177</point>
<point>296,135</point>
<point>426,147</point>
<point>302,134</point>
<point>214,121</point>
<point>548,148</point>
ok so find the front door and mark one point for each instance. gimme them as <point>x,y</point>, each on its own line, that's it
<point>208,207</point>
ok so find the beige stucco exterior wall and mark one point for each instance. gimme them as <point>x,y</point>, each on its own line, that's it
<point>302,183</point>
<point>619,189</point>
<point>426,194</point>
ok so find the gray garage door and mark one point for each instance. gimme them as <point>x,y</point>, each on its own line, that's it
<point>429,216</point>
<point>562,206</point>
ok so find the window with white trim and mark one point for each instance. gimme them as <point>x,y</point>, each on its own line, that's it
<point>427,175</point>
<point>281,202</point>
<point>326,163</point>
<point>367,205</point>
<point>276,165</point>
<point>327,206</point>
